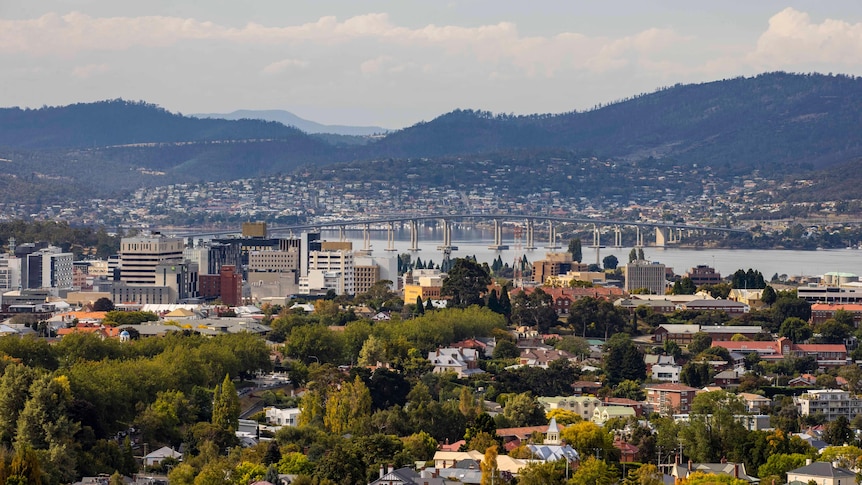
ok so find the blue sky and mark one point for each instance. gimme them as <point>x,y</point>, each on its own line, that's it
<point>395,63</point>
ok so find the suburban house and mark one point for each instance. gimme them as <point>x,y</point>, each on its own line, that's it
<point>281,417</point>
<point>736,470</point>
<point>727,306</point>
<point>156,457</point>
<point>821,473</point>
<point>682,334</point>
<point>464,362</point>
<point>755,403</point>
<point>542,357</point>
<point>405,476</point>
<point>603,413</point>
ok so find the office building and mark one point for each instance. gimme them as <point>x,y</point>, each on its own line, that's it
<point>644,275</point>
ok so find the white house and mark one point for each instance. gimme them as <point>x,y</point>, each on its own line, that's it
<point>464,362</point>
<point>666,372</point>
<point>156,457</point>
<point>282,417</point>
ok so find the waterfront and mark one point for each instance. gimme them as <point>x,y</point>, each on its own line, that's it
<point>475,242</point>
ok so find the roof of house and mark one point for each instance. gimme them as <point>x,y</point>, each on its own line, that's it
<point>823,469</point>
<point>669,386</point>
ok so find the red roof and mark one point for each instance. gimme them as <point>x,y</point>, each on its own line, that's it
<point>820,347</point>
<point>834,307</point>
<point>669,386</point>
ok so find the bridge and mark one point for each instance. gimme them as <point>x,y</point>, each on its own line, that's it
<point>665,232</point>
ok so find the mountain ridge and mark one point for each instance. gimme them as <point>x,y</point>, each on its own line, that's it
<point>290,119</point>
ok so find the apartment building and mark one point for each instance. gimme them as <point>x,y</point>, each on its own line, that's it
<point>832,403</point>
<point>668,399</point>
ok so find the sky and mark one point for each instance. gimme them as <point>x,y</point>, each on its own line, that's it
<point>393,63</point>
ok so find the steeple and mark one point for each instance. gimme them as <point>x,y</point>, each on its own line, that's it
<point>552,437</point>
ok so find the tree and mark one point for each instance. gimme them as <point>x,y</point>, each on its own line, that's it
<point>103,305</point>
<point>589,439</point>
<point>695,374</point>
<point>594,471</point>
<point>524,410</point>
<point>700,341</point>
<point>645,475</point>
<point>534,310</point>
<point>796,329</point>
<point>348,410</point>
<point>623,360</point>
<point>226,406</point>
<point>633,255</point>
<point>465,284</point>
<point>701,478</point>
<point>629,389</point>
<point>781,463</point>
<point>610,262</point>
<point>768,296</point>
<point>542,473</point>
<point>490,472</point>
<point>786,307</point>
<point>684,287</point>
<point>838,432</point>
<point>576,250</point>
<point>420,307</point>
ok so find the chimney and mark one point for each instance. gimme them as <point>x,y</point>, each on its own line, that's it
<point>736,470</point>
<point>807,461</point>
<point>689,465</point>
<point>382,471</point>
<point>391,468</point>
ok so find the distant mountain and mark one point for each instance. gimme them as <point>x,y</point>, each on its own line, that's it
<point>777,124</point>
<point>289,119</point>
<point>773,121</point>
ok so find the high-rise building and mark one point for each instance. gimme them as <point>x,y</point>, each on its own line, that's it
<point>139,257</point>
<point>642,274</point>
<point>330,268</point>
<point>48,268</point>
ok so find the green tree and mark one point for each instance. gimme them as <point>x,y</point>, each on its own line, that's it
<point>796,330</point>
<point>465,284</point>
<point>768,296</point>
<point>594,471</point>
<point>610,262</point>
<point>348,409</point>
<point>779,464</point>
<point>838,432</point>
<point>524,410</point>
<point>629,389</point>
<point>700,341</point>
<point>633,255</point>
<point>575,249</point>
<point>622,360</point>
<point>14,393</point>
<point>103,305</point>
<point>786,307</point>
<point>534,310</point>
<point>226,406</point>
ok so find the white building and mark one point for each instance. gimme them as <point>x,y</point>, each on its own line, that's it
<point>666,372</point>
<point>10,273</point>
<point>331,268</point>
<point>831,402</point>
<point>139,257</point>
<point>48,268</point>
<point>282,417</point>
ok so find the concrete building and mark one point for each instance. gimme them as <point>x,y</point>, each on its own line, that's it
<point>555,265</point>
<point>645,275</point>
<point>330,268</point>
<point>10,273</point>
<point>48,268</point>
<point>371,269</point>
<point>850,292</point>
<point>139,257</point>
<point>832,403</point>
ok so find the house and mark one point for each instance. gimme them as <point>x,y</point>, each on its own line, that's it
<point>404,476</point>
<point>637,406</point>
<point>156,457</point>
<point>281,417</point>
<point>727,379</point>
<point>583,406</point>
<point>682,334</point>
<point>736,470</point>
<point>628,451</point>
<point>463,362</point>
<point>755,403</point>
<point>668,398</point>
<point>822,473</point>
<point>543,357</point>
<point>666,372</point>
<point>603,414</point>
<point>579,388</point>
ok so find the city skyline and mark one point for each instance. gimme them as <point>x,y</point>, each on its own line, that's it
<point>394,64</point>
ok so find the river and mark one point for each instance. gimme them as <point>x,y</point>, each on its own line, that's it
<point>475,242</point>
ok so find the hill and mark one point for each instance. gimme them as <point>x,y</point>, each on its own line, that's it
<point>289,119</point>
<point>775,121</point>
<point>776,124</point>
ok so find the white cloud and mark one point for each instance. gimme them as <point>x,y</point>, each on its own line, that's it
<point>285,65</point>
<point>793,39</point>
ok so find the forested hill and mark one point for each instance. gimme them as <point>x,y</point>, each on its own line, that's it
<point>775,119</point>
<point>120,122</point>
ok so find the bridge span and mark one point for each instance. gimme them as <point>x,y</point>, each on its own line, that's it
<point>665,232</point>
